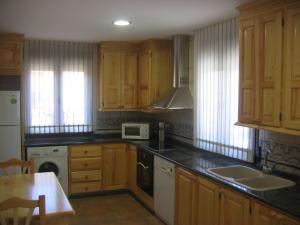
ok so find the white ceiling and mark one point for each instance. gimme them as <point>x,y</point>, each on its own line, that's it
<point>91,20</point>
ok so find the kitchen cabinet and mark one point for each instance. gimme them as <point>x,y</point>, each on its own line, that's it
<point>155,71</point>
<point>186,184</point>
<point>263,215</point>
<point>118,76</point>
<point>208,202</point>
<point>114,166</point>
<point>85,166</point>
<point>269,66</point>
<point>234,208</point>
<point>291,116</point>
<point>11,54</point>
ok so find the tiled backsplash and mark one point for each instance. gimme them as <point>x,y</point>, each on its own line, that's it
<point>179,123</point>
<point>285,150</point>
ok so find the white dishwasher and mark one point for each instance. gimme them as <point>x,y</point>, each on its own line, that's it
<point>164,190</point>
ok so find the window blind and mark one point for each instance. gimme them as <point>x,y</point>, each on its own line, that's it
<point>59,86</point>
<point>216,50</point>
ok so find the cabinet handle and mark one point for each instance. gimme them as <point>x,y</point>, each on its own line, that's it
<point>85,152</point>
<point>86,164</point>
<point>86,177</point>
<point>86,188</point>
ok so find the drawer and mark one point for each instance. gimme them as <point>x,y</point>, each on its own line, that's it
<point>86,164</point>
<point>85,176</point>
<point>79,151</point>
<point>85,187</point>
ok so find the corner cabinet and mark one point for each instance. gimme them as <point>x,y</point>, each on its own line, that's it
<point>118,76</point>
<point>11,54</point>
<point>155,71</point>
<point>269,65</point>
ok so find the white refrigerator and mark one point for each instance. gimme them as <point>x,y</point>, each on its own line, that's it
<point>10,129</point>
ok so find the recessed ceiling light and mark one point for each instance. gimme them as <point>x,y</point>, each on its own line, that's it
<point>121,22</point>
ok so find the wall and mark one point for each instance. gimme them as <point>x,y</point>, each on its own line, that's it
<point>285,150</point>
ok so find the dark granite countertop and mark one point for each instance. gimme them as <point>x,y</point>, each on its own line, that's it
<point>198,161</point>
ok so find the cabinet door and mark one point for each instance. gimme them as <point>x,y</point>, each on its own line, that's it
<point>115,168</point>
<point>235,209</point>
<point>284,220</point>
<point>144,78</point>
<point>161,76</point>
<point>207,203</point>
<point>185,197</point>
<point>248,99</point>
<point>111,80</point>
<point>129,80</point>
<point>270,47</point>
<point>292,71</point>
<point>263,215</point>
<point>10,58</point>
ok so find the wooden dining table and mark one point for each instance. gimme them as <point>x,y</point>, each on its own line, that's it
<point>30,186</point>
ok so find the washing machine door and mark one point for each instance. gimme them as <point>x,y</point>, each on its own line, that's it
<point>48,167</point>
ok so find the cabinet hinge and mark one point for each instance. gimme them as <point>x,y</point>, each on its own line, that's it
<point>280,117</point>
<point>282,21</point>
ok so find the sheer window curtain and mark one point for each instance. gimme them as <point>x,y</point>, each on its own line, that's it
<point>59,79</point>
<point>216,51</point>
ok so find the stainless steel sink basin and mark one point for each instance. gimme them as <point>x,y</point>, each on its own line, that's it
<point>251,178</point>
<point>266,183</point>
<point>235,172</point>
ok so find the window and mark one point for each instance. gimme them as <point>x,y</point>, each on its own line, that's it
<point>216,95</point>
<point>59,77</point>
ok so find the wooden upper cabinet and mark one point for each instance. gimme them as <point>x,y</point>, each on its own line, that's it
<point>111,77</point>
<point>185,197</point>
<point>129,80</point>
<point>270,69</point>
<point>291,107</point>
<point>144,71</point>
<point>235,209</point>
<point>155,71</point>
<point>248,99</point>
<point>11,54</point>
<point>118,76</point>
<point>114,166</point>
<point>208,202</point>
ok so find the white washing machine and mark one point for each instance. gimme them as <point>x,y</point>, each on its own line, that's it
<point>51,159</point>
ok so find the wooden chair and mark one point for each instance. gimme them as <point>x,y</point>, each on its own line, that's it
<point>16,163</point>
<point>15,203</point>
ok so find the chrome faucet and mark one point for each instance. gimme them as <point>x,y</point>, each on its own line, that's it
<point>265,167</point>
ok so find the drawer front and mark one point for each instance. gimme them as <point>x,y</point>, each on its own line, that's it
<point>85,187</point>
<point>86,164</point>
<point>79,151</point>
<point>86,176</point>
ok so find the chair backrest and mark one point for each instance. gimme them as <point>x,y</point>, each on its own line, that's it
<point>16,203</point>
<point>17,163</point>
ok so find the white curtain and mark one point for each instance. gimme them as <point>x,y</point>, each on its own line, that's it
<point>216,50</point>
<point>59,86</point>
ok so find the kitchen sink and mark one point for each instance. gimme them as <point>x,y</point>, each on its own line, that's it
<point>266,183</point>
<point>235,172</point>
<point>251,178</point>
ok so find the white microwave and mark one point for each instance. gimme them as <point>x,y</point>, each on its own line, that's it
<point>135,131</point>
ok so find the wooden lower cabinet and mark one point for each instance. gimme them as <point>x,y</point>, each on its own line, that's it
<point>263,215</point>
<point>185,197</point>
<point>114,166</point>
<point>208,201</point>
<point>85,168</point>
<point>234,208</point>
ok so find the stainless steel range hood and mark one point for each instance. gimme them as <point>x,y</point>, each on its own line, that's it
<point>180,96</point>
